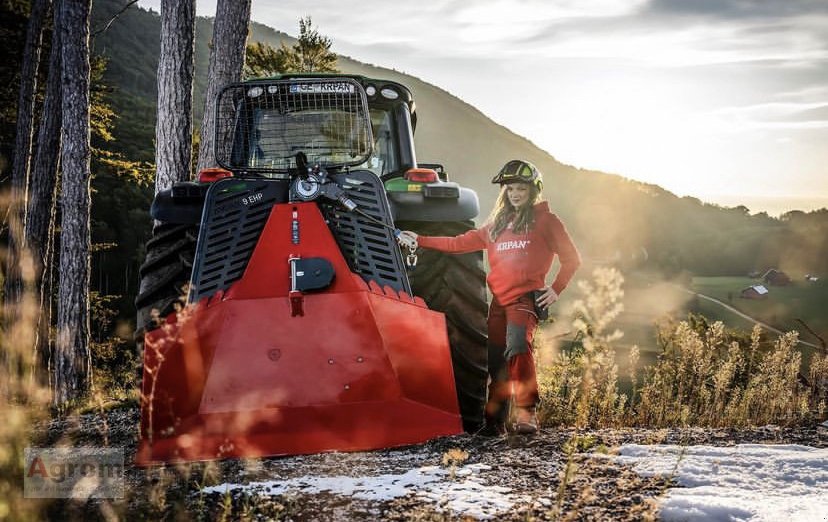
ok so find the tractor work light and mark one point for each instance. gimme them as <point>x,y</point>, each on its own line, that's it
<point>213,174</point>
<point>422,175</point>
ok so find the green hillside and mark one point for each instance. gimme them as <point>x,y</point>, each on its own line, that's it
<point>614,218</point>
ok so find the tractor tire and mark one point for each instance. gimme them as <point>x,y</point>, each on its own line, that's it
<point>164,274</point>
<point>455,284</point>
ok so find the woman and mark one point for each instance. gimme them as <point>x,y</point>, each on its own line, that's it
<point>522,238</point>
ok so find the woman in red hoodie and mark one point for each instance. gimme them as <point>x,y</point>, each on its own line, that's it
<point>522,238</point>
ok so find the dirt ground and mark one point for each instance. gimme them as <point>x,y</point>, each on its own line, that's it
<point>559,474</point>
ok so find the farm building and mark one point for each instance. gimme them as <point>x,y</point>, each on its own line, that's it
<point>754,292</point>
<point>776,278</point>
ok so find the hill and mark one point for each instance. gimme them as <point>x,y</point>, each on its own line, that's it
<point>613,218</point>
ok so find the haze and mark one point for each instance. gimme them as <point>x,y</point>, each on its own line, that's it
<point>724,100</point>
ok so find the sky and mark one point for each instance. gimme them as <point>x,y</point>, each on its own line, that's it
<point>724,100</point>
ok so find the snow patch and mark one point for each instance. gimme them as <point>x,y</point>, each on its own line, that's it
<point>466,494</point>
<point>746,482</point>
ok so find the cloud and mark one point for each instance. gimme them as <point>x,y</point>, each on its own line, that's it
<point>736,9</point>
<point>667,40</point>
<point>776,116</point>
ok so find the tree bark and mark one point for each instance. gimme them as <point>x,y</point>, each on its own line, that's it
<point>174,126</point>
<point>13,284</point>
<point>72,356</point>
<point>226,64</point>
<point>40,213</point>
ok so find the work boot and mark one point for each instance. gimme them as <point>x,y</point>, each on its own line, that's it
<point>495,425</point>
<point>493,429</point>
<point>526,422</point>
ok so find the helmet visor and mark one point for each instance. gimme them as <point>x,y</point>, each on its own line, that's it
<point>516,171</point>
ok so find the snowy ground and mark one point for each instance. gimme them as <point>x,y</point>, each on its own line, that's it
<point>462,491</point>
<point>746,482</point>
<point>766,473</point>
<point>755,482</point>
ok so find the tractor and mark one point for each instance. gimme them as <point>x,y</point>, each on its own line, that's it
<point>277,314</point>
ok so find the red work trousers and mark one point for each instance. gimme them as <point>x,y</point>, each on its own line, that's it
<point>511,364</point>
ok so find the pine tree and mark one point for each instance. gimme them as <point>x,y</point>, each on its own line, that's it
<point>262,60</point>
<point>73,365</point>
<point>40,213</point>
<point>311,53</point>
<point>174,126</point>
<point>23,148</point>
<point>226,63</point>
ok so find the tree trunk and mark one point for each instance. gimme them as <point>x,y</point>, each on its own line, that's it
<point>72,356</point>
<point>40,213</point>
<point>226,64</point>
<point>174,127</point>
<point>23,150</point>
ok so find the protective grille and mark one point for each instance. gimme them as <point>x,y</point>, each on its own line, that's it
<point>263,125</point>
<point>235,214</point>
<point>369,248</point>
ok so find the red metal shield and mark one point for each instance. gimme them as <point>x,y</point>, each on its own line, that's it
<point>242,375</point>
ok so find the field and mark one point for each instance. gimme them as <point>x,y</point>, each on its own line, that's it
<point>780,309</point>
<point>649,299</point>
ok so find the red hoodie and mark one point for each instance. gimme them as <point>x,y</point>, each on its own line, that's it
<point>519,262</point>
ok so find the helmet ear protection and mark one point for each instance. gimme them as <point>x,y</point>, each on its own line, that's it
<point>519,171</point>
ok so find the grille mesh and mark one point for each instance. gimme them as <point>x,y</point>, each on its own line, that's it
<point>234,218</point>
<point>230,231</point>
<point>262,126</point>
<point>369,248</point>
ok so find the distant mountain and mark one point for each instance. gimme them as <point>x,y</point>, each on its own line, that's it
<point>612,218</point>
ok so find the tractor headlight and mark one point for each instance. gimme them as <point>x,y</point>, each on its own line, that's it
<point>389,93</point>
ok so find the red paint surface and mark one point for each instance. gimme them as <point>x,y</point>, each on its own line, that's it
<point>237,376</point>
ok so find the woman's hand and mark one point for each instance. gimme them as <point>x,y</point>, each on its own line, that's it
<point>548,297</point>
<point>407,239</point>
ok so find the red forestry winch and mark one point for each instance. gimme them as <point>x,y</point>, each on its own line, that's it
<point>258,370</point>
<point>300,332</point>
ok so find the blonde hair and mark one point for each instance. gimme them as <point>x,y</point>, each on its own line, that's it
<point>504,213</point>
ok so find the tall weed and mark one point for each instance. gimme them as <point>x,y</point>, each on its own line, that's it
<point>705,374</point>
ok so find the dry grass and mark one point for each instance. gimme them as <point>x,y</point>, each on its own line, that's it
<point>26,401</point>
<point>23,399</point>
<point>705,374</point>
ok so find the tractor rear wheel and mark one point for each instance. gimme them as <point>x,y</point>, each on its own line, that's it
<point>164,274</point>
<point>455,284</point>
